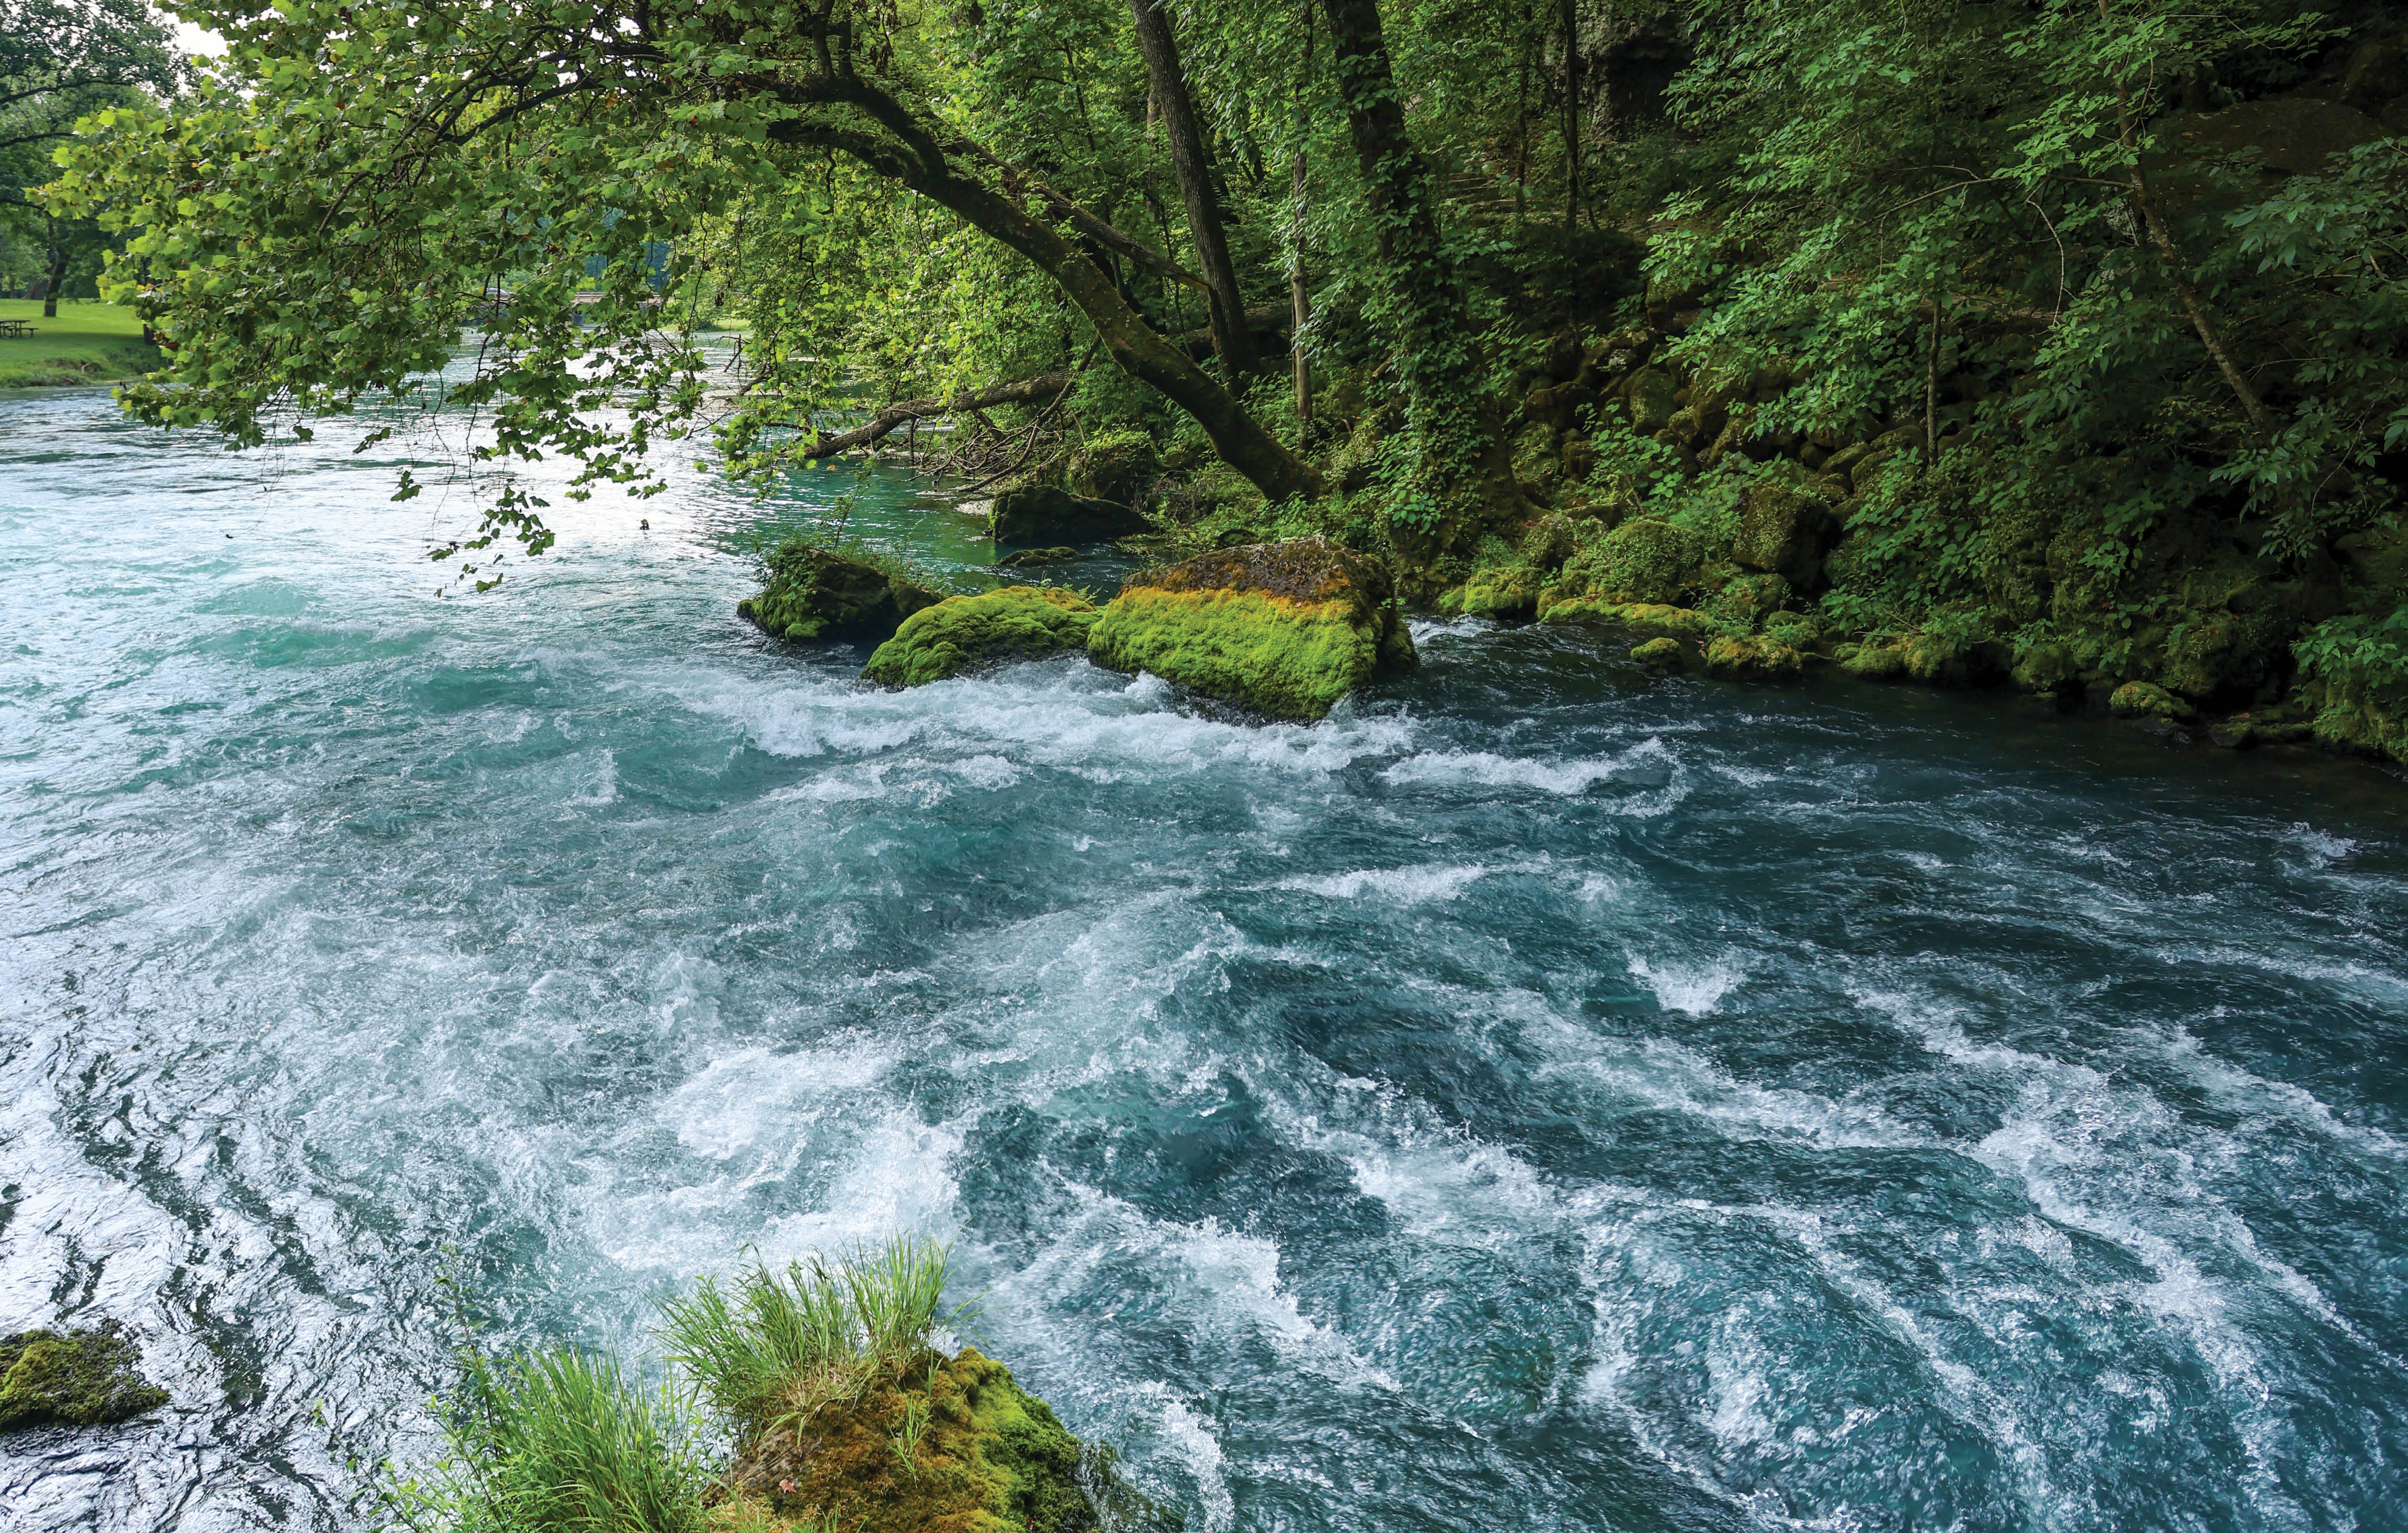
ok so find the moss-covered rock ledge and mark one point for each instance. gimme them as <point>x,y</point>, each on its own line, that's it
<point>1283,628</point>
<point>81,1377</point>
<point>965,633</point>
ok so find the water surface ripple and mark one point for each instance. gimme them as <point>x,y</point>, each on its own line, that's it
<point>1539,1096</point>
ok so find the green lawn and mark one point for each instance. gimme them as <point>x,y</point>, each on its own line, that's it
<point>88,343</point>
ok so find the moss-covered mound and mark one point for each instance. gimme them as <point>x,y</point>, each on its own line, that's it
<point>82,1378</point>
<point>813,593</point>
<point>1643,560</point>
<point>952,1446</point>
<point>1283,628</point>
<point>971,633</point>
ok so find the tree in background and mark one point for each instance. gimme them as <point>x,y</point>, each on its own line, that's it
<point>61,60</point>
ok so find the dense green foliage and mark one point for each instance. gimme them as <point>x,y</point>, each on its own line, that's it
<point>2061,339</point>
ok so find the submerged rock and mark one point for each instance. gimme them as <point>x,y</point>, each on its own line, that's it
<point>1027,557</point>
<point>1284,628</point>
<point>1041,516</point>
<point>82,1378</point>
<point>814,594</point>
<point>971,633</point>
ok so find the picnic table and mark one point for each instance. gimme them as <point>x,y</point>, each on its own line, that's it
<point>15,329</point>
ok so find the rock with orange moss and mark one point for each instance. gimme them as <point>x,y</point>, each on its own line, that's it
<point>950,1445</point>
<point>1284,628</point>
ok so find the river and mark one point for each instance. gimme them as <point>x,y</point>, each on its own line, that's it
<point>1541,1095</point>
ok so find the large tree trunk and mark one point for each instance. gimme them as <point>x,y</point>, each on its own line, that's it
<point>1230,337</point>
<point>58,275</point>
<point>1426,312</point>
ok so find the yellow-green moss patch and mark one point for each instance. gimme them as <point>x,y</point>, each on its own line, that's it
<point>1286,628</point>
<point>969,632</point>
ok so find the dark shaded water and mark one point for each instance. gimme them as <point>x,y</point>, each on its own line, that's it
<point>1539,1096</point>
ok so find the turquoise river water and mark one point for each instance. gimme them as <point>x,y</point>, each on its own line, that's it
<point>1539,1096</point>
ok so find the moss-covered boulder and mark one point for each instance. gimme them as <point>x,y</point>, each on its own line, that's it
<point>1786,532</point>
<point>2147,700</point>
<point>1045,516</point>
<point>1873,660</point>
<point>1659,654</point>
<point>1118,467</point>
<point>1754,657</point>
<point>82,1378</point>
<point>1650,395</point>
<point>1749,600</point>
<point>816,595</point>
<point>1510,590</point>
<point>952,1446</point>
<point>1283,628</point>
<point>971,633</point>
<point>1642,560</point>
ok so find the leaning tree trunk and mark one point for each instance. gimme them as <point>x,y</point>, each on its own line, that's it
<point>1432,327</point>
<point>1141,351</point>
<point>1231,339</point>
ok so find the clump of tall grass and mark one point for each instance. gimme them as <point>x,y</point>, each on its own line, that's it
<point>774,1346</point>
<point>558,1441</point>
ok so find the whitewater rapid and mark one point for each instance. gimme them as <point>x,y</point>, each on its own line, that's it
<point>1541,1095</point>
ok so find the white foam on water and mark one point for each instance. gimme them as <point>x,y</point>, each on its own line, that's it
<point>739,1100</point>
<point>2322,846</point>
<point>1697,989</point>
<point>1663,1075</point>
<point>1222,1279</point>
<point>601,785</point>
<point>1190,1435</point>
<point>987,771</point>
<point>1401,885</point>
<point>2238,1087</point>
<point>1563,779</point>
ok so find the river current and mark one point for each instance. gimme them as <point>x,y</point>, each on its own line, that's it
<point>1541,1095</point>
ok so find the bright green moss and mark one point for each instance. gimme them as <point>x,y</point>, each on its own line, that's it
<point>1288,658</point>
<point>968,633</point>
<point>82,1378</point>
<point>1662,653</point>
<point>954,1445</point>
